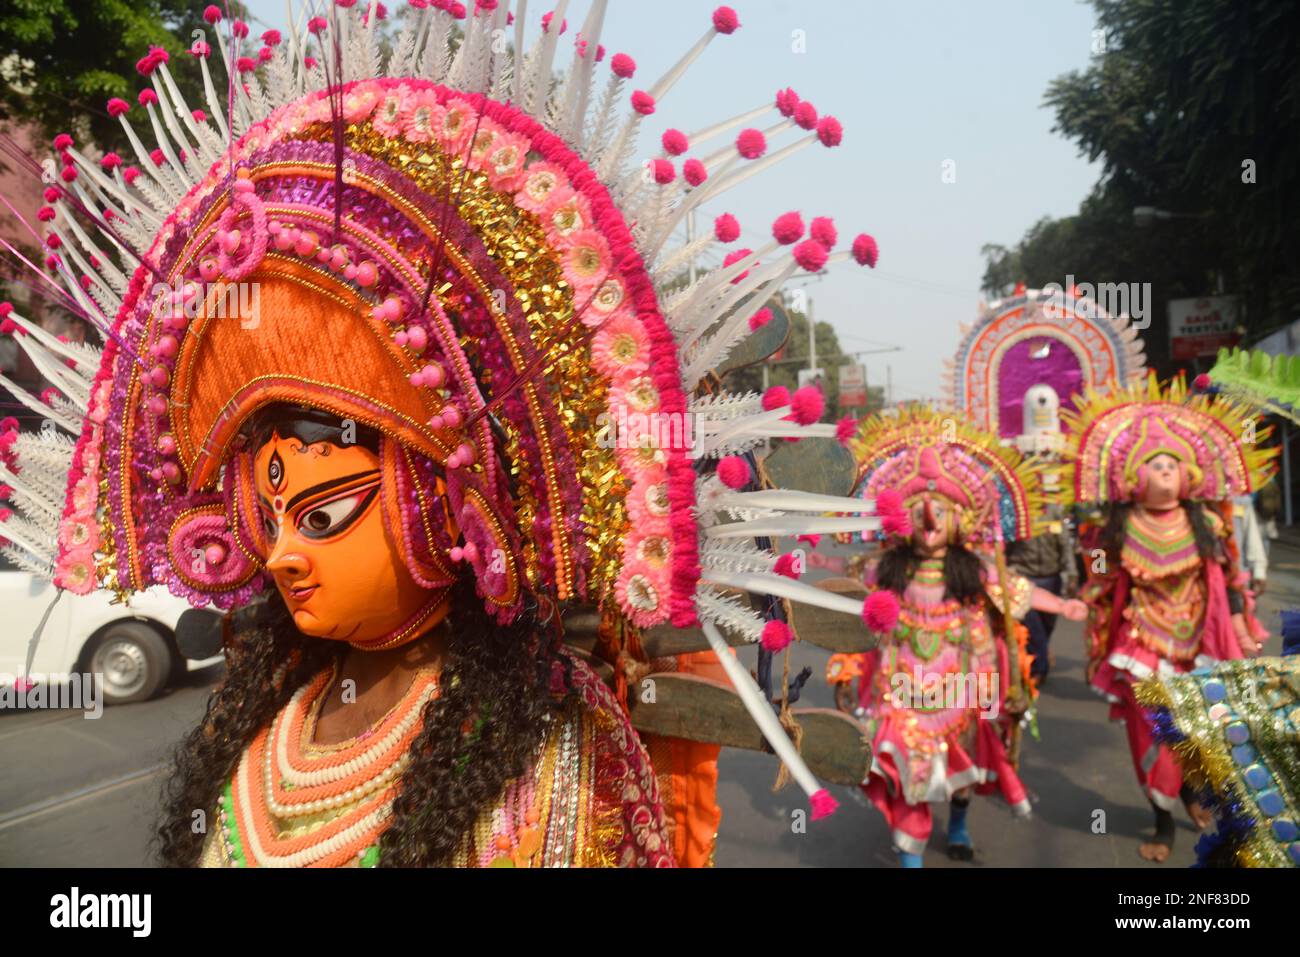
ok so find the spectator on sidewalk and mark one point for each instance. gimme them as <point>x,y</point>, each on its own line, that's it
<point>1250,543</point>
<point>1047,560</point>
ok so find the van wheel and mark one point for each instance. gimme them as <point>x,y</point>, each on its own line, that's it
<point>133,660</point>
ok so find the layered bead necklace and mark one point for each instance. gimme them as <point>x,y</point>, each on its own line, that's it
<point>291,803</point>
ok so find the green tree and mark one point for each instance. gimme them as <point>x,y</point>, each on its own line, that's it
<point>1191,107</point>
<point>62,60</point>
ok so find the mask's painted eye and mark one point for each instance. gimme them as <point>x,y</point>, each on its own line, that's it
<point>331,518</point>
<point>270,528</point>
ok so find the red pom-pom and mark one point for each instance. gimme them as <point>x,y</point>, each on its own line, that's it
<point>271,38</point>
<point>130,174</point>
<point>664,172</point>
<point>725,20</point>
<point>53,241</point>
<point>811,255</point>
<point>643,102</point>
<point>751,143</point>
<point>158,157</point>
<point>776,636</point>
<point>880,612</point>
<point>726,229</point>
<point>777,397</point>
<point>830,132</point>
<point>865,250</point>
<point>812,538</point>
<point>457,11</point>
<point>845,429</point>
<point>239,28</point>
<point>245,64</point>
<point>734,471</point>
<point>675,142</point>
<point>788,228</point>
<point>788,566</point>
<point>118,106</point>
<point>759,319</point>
<point>786,101</point>
<point>546,23</point>
<point>45,214</point>
<point>309,62</point>
<point>147,97</point>
<point>51,194</point>
<point>62,141</point>
<point>265,54</point>
<point>735,256</point>
<point>5,309</point>
<point>694,172</point>
<point>68,174</point>
<point>317,25</point>
<point>896,523</point>
<point>623,65</point>
<point>1202,382</point>
<point>823,231</point>
<point>807,405</point>
<point>805,115</point>
<point>212,13</point>
<point>823,805</point>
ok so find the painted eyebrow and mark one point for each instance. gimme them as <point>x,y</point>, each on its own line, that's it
<point>322,487</point>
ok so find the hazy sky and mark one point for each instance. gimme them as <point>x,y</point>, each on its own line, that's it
<point>915,83</point>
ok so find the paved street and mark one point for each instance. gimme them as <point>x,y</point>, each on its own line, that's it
<point>84,793</point>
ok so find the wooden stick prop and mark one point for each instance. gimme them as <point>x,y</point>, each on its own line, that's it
<point>1016,695</point>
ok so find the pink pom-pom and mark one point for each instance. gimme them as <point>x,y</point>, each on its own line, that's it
<point>777,397</point>
<point>239,28</point>
<point>68,174</point>
<point>830,132</point>
<point>811,255</point>
<point>812,538</point>
<point>823,231</point>
<point>6,310</point>
<point>805,115</point>
<point>245,64</point>
<point>845,429</point>
<point>735,256</point>
<point>147,97</point>
<point>643,102</point>
<point>53,241</point>
<point>807,405</point>
<point>52,194</point>
<point>788,228</point>
<point>751,143</point>
<point>309,62</point>
<point>546,23</point>
<point>317,25</point>
<point>271,38</point>
<point>776,636</point>
<point>265,54</point>
<point>880,612</point>
<point>623,65</point>
<point>62,141</point>
<point>865,250</point>
<point>726,228</point>
<point>786,102</point>
<point>664,173</point>
<point>157,157</point>
<point>130,174</point>
<point>759,319</point>
<point>889,500</point>
<point>734,471</point>
<point>118,106</point>
<point>694,172</point>
<point>787,565</point>
<point>823,805</point>
<point>45,214</point>
<point>897,523</point>
<point>212,13</point>
<point>725,20</point>
<point>200,50</point>
<point>1202,382</point>
<point>457,11</point>
<point>675,142</point>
